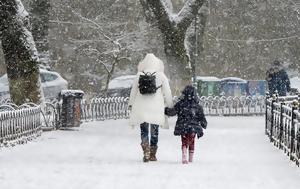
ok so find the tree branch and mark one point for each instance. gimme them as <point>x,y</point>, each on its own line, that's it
<point>104,65</point>
<point>147,11</point>
<point>161,14</point>
<point>188,13</point>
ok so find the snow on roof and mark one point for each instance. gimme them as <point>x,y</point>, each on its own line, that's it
<point>234,79</point>
<point>50,72</point>
<point>207,78</point>
<point>295,82</point>
<point>125,81</point>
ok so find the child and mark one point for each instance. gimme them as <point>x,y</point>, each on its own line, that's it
<point>190,120</point>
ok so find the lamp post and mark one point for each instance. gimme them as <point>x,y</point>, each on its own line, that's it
<point>194,60</point>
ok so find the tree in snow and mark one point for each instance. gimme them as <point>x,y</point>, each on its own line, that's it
<point>108,60</point>
<point>110,40</point>
<point>115,53</point>
<point>20,53</point>
<point>243,38</point>
<point>174,28</point>
<point>40,13</point>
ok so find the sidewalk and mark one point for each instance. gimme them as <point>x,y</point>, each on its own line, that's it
<point>233,154</point>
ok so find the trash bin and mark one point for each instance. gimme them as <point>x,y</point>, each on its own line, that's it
<point>71,108</point>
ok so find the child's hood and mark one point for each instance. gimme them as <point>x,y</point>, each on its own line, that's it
<point>190,93</point>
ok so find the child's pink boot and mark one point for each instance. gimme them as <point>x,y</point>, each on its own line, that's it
<point>184,155</point>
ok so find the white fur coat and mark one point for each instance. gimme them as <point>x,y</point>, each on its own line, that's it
<point>150,108</point>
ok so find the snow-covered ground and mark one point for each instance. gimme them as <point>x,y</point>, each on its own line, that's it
<point>295,82</point>
<point>233,154</point>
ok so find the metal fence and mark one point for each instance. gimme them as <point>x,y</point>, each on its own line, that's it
<point>105,108</point>
<point>117,107</point>
<point>19,124</point>
<point>283,125</point>
<point>233,106</point>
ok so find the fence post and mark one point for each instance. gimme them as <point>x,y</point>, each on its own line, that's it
<point>294,108</point>
<point>272,117</point>
<point>281,124</point>
<point>266,112</point>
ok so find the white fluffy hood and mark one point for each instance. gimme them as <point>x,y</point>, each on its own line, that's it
<point>151,62</point>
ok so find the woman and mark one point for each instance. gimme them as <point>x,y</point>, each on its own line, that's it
<point>148,103</point>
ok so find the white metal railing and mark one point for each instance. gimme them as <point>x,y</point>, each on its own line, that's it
<point>19,125</point>
<point>117,107</point>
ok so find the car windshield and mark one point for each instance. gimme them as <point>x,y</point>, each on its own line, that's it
<point>122,82</point>
<point>46,77</point>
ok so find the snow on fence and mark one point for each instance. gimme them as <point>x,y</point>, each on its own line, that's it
<point>4,101</point>
<point>283,125</point>
<point>233,106</point>
<point>117,107</point>
<point>105,108</point>
<point>19,124</point>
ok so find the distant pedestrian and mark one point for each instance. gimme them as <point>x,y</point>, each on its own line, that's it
<point>278,79</point>
<point>149,96</point>
<point>190,121</point>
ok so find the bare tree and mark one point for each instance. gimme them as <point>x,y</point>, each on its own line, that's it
<point>109,44</point>
<point>21,57</point>
<point>174,28</point>
<point>109,64</point>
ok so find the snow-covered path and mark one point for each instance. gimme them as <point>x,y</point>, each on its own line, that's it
<point>233,154</point>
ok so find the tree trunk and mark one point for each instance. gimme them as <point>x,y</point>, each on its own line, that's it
<point>21,57</point>
<point>40,13</point>
<point>174,32</point>
<point>178,61</point>
<point>110,74</point>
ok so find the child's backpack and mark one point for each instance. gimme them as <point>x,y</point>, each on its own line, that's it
<point>147,83</point>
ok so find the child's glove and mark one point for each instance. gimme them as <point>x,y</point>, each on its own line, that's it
<point>167,110</point>
<point>200,134</point>
<point>170,111</point>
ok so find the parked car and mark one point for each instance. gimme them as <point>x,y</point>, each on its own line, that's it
<point>52,83</point>
<point>295,86</point>
<point>120,86</point>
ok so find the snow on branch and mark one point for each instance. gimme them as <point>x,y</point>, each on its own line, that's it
<point>26,37</point>
<point>21,10</point>
<point>161,12</point>
<point>98,26</point>
<point>188,12</point>
<point>105,66</point>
